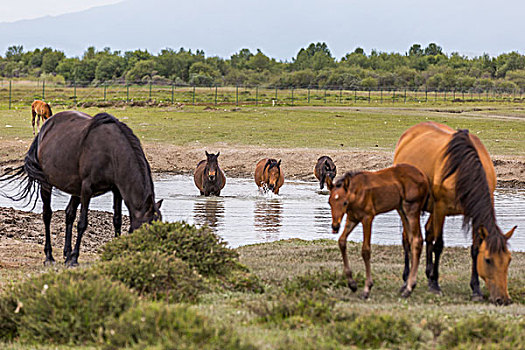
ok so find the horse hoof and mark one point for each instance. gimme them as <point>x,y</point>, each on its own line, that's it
<point>477,297</point>
<point>49,262</point>
<point>406,293</point>
<point>352,285</point>
<point>403,287</point>
<point>71,263</point>
<point>365,295</point>
<point>434,287</point>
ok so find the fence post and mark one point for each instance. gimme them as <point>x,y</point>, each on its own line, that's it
<point>236,95</point>
<point>340,95</point>
<point>172,92</point>
<point>257,95</point>
<point>393,96</point>
<point>426,94</point>
<point>9,94</point>
<point>381,95</point>
<point>405,96</point>
<point>368,95</point>
<point>276,94</point>
<point>43,90</point>
<point>150,83</point>
<point>445,96</point>
<point>325,95</point>
<point>453,94</point>
<point>355,95</point>
<point>105,87</point>
<point>292,95</point>
<point>308,94</point>
<point>75,92</point>
<point>216,95</point>
<point>127,92</point>
<point>193,95</point>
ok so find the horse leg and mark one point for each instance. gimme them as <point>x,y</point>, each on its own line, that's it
<point>85,197</point>
<point>406,250</point>
<point>33,120</point>
<point>474,279</point>
<point>71,213</point>
<point>45,194</point>
<point>117,212</point>
<point>365,253</point>
<point>413,228</point>
<point>437,227</point>
<point>350,225</point>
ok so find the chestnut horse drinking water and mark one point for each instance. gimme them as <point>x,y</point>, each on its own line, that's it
<point>209,177</point>
<point>462,181</point>
<point>40,110</point>
<point>363,195</point>
<point>325,167</point>
<point>268,175</point>
<point>86,157</point>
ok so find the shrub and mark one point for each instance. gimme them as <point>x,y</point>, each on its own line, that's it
<point>169,326</point>
<point>200,248</point>
<point>158,275</point>
<point>68,307</point>
<point>243,281</point>
<point>8,317</point>
<point>374,331</point>
<point>320,280</point>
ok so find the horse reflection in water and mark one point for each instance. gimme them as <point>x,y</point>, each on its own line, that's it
<point>209,212</point>
<point>268,218</point>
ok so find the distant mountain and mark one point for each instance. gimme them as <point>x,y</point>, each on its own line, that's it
<point>278,27</point>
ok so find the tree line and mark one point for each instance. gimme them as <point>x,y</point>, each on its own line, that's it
<point>314,66</point>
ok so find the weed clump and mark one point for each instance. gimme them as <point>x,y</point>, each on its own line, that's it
<point>169,327</point>
<point>157,275</point>
<point>65,307</point>
<point>199,247</point>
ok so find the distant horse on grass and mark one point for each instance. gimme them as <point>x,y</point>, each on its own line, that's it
<point>86,157</point>
<point>363,195</point>
<point>462,181</point>
<point>325,167</point>
<point>268,175</point>
<point>209,177</point>
<point>40,110</point>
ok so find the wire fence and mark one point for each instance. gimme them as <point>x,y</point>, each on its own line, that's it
<point>15,94</point>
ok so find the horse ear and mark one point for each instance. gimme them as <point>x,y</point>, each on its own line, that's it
<point>329,183</point>
<point>510,233</point>
<point>279,163</point>
<point>483,233</point>
<point>218,153</point>
<point>207,154</point>
<point>158,204</point>
<point>346,182</point>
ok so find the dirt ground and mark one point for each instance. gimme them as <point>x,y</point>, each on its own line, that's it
<point>21,233</point>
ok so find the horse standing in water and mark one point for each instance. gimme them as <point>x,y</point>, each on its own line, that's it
<point>325,167</point>
<point>209,177</point>
<point>363,195</point>
<point>87,157</point>
<point>268,175</point>
<point>40,110</point>
<point>462,181</point>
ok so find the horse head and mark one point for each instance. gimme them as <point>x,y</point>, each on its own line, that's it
<point>328,170</point>
<point>493,264</point>
<point>211,169</point>
<point>338,200</point>
<point>149,212</point>
<point>274,173</point>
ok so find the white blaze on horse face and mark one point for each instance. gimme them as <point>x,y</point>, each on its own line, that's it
<point>336,197</point>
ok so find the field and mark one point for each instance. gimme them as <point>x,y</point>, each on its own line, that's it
<point>305,303</point>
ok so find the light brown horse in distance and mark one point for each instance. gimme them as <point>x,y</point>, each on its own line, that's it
<point>209,177</point>
<point>362,196</point>
<point>40,110</point>
<point>268,175</point>
<point>462,181</point>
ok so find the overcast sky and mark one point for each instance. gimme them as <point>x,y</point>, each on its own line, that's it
<point>278,27</point>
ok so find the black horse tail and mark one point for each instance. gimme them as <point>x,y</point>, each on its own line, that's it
<point>25,179</point>
<point>50,111</point>
<point>472,189</point>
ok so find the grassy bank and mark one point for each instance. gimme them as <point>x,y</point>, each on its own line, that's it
<point>306,304</point>
<point>501,127</point>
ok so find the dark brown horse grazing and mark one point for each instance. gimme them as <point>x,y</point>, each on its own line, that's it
<point>87,157</point>
<point>325,167</point>
<point>40,110</point>
<point>268,175</point>
<point>363,195</point>
<point>462,181</point>
<point>209,177</point>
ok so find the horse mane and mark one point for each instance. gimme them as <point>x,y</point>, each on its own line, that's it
<point>270,163</point>
<point>347,176</point>
<point>105,118</point>
<point>472,190</point>
<point>50,111</point>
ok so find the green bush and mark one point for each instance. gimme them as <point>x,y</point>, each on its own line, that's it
<point>8,317</point>
<point>71,306</point>
<point>200,248</point>
<point>243,281</point>
<point>376,331</point>
<point>484,329</point>
<point>321,280</point>
<point>168,327</point>
<point>158,275</point>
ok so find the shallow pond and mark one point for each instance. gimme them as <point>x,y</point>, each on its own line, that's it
<point>242,215</point>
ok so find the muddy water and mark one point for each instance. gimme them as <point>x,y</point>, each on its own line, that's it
<point>242,215</point>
